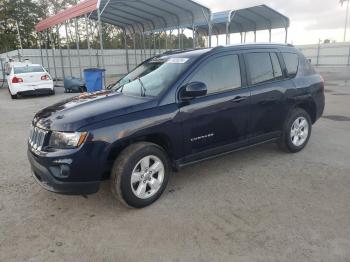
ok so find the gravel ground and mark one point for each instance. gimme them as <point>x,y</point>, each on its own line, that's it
<point>255,205</point>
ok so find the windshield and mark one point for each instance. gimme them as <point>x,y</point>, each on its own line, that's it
<point>28,69</point>
<point>152,77</point>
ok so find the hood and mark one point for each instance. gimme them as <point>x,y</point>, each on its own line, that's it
<point>88,108</point>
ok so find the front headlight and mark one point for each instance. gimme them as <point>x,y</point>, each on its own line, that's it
<point>65,140</point>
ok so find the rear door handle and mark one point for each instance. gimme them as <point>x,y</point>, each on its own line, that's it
<point>239,99</point>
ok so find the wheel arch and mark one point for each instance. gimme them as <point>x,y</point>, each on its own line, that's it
<point>310,107</point>
<point>159,139</point>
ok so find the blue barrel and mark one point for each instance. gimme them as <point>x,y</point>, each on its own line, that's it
<point>94,79</point>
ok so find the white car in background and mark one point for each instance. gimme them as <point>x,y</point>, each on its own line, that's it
<point>28,79</point>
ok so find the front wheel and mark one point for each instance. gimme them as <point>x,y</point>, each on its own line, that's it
<point>140,174</point>
<point>296,131</point>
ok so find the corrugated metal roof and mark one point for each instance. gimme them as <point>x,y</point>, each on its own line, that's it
<point>136,15</point>
<point>69,13</point>
<point>152,15</point>
<point>254,18</point>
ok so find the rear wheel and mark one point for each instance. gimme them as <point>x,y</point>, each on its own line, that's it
<point>140,174</point>
<point>13,96</point>
<point>296,131</point>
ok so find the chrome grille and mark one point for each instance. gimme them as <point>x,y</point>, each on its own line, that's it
<point>37,137</point>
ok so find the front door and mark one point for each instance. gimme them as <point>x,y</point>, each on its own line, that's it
<point>216,122</point>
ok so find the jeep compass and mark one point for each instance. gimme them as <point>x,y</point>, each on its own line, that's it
<point>172,110</point>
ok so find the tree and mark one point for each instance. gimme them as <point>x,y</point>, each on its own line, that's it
<point>27,14</point>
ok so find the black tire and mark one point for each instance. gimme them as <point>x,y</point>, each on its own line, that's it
<point>123,168</point>
<point>13,96</point>
<point>285,142</point>
<point>53,92</point>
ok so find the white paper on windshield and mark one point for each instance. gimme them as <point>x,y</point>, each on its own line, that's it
<point>177,60</point>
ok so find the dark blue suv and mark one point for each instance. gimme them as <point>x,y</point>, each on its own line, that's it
<point>172,110</point>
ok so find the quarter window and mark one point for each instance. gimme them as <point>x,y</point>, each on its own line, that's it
<point>220,74</point>
<point>260,67</point>
<point>277,71</point>
<point>292,62</point>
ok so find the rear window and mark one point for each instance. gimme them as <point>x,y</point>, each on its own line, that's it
<point>28,69</point>
<point>260,67</point>
<point>292,62</point>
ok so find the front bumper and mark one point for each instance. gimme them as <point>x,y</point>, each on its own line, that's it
<point>44,177</point>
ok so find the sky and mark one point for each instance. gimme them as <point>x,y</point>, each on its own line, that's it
<point>311,20</point>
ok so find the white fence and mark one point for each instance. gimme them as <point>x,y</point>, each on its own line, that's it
<point>69,63</point>
<point>337,54</point>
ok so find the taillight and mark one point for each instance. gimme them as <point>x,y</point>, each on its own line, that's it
<point>17,80</point>
<point>322,83</point>
<point>45,77</point>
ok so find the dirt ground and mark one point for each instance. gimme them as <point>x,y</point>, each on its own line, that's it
<point>255,205</point>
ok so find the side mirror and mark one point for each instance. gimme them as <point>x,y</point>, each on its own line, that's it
<point>193,90</point>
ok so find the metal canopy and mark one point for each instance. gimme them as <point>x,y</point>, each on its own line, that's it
<point>152,15</point>
<point>136,15</point>
<point>244,20</point>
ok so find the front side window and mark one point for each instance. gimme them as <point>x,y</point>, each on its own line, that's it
<point>152,77</point>
<point>28,69</point>
<point>292,62</point>
<point>220,74</point>
<point>260,67</point>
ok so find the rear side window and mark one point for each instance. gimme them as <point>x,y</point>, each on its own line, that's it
<point>292,62</point>
<point>260,67</point>
<point>28,69</point>
<point>277,71</point>
<point>220,74</point>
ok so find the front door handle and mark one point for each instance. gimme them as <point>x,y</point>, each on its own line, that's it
<point>239,99</point>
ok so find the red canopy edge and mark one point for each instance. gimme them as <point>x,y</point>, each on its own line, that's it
<point>71,12</point>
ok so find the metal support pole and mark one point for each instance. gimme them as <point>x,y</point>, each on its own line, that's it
<point>19,40</point>
<point>178,34</point>
<point>154,44</point>
<point>47,52</point>
<point>349,57</point>
<point>135,53</point>
<point>227,33</point>
<point>286,38</point>
<point>193,37</point>
<point>166,41</point>
<point>318,54</point>
<point>160,42</point>
<point>68,49</point>
<point>77,40</point>
<point>217,40</point>
<point>144,45</point>
<point>53,49</point>
<point>150,45</point>
<point>346,19</point>
<point>101,37</point>
<point>170,37</point>
<point>126,52</point>
<point>182,39</point>
<point>241,37</point>
<point>60,49</point>
<point>245,36</point>
<point>41,49</point>
<point>210,32</point>
<point>254,36</point>
<point>88,39</point>
<point>270,37</point>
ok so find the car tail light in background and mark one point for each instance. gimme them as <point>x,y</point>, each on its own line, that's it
<point>17,80</point>
<point>45,77</point>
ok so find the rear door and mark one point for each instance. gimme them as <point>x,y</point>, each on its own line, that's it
<point>218,121</point>
<point>268,87</point>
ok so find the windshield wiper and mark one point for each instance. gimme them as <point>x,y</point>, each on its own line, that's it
<point>143,88</point>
